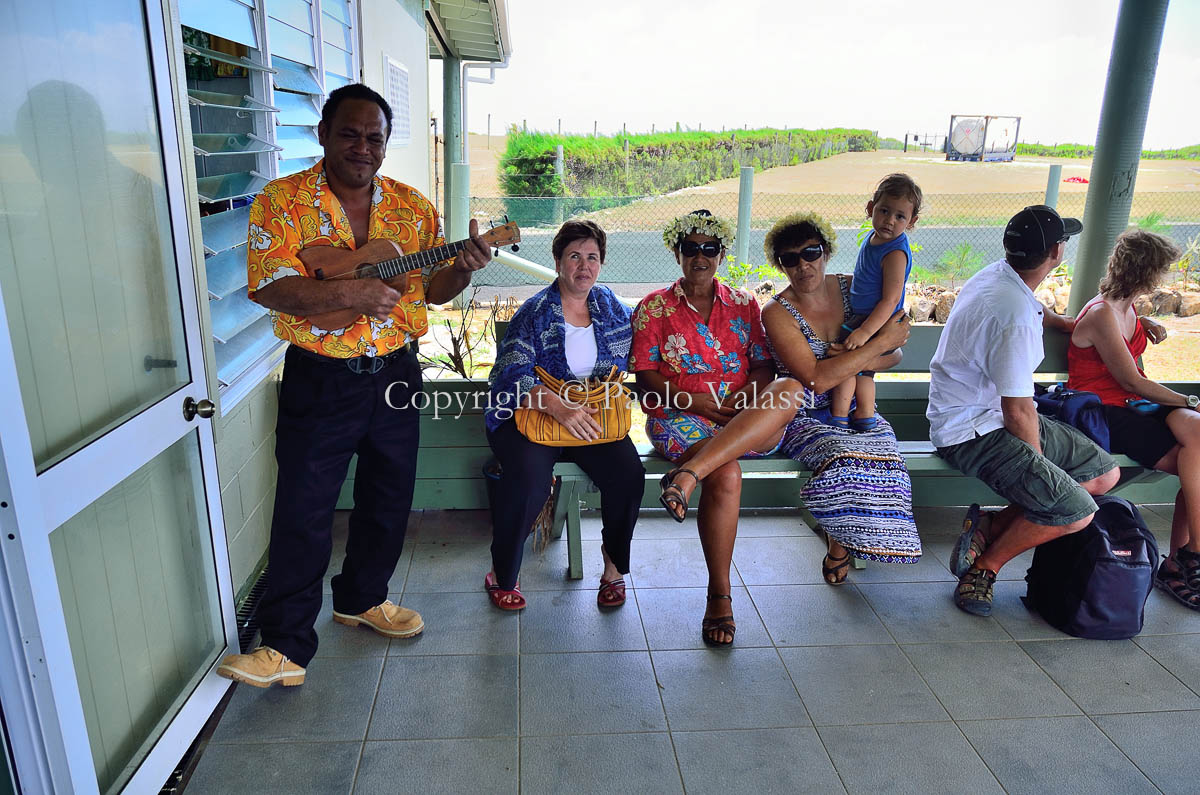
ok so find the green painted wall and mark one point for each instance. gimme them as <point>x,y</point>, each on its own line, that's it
<point>246,470</point>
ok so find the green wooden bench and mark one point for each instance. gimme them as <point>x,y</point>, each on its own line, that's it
<point>453,451</point>
<point>902,402</point>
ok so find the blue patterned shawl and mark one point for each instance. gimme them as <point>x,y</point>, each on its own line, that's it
<point>536,336</point>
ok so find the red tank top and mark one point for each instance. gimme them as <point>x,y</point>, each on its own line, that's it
<point>1086,371</point>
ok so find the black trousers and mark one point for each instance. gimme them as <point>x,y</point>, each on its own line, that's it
<point>327,413</point>
<point>525,484</point>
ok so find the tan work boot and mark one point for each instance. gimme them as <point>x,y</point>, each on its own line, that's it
<point>262,667</point>
<point>387,619</point>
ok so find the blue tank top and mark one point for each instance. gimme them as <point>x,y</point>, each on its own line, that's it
<point>867,287</point>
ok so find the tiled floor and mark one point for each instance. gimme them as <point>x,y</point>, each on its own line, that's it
<point>881,685</point>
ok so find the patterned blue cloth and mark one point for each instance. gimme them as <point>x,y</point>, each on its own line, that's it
<point>860,492</point>
<point>536,337</point>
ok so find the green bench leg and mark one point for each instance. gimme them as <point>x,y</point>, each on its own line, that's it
<point>560,508</point>
<point>574,543</point>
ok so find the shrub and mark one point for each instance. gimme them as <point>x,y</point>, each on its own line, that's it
<point>658,163</point>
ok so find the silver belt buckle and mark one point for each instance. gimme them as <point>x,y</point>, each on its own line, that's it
<point>365,365</point>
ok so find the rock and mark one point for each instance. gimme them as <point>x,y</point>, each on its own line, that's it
<point>944,303</point>
<point>921,309</point>
<point>1165,302</point>
<point>766,288</point>
<point>1189,304</point>
<point>1046,297</point>
<point>1142,305</point>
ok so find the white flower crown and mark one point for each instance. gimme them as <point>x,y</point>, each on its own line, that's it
<point>694,223</point>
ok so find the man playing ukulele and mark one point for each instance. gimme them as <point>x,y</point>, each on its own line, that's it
<point>333,398</point>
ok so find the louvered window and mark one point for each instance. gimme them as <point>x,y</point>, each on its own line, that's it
<point>256,82</point>
<point>337,51</point>
<point>291,26</point>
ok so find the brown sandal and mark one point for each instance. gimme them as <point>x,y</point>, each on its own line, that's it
<point>672,495</point>
<point>1176,584</point>
<point>840,564</point>
<point>711,626</point>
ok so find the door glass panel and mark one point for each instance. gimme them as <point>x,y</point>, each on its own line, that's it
<point>135,571</point>
<point>88,272</point>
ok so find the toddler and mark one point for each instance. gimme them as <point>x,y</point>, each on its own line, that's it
<point>877,291</point>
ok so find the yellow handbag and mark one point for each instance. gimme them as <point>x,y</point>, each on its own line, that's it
<point>608,394</point>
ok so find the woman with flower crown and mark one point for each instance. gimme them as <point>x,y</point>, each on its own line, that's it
<point>860,492</point>
<point>700,355</point>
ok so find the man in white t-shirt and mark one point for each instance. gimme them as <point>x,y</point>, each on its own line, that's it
<point>983,420</point>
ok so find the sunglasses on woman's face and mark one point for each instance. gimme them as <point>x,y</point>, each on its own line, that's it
<point>790,259</point>
<point>690,248</point>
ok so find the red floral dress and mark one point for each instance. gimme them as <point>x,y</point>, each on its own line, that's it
<point>671,338</point>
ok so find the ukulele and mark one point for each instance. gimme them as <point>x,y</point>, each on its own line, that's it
<point>383,259</point>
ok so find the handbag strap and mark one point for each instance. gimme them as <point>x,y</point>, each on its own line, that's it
<point>587,392</point>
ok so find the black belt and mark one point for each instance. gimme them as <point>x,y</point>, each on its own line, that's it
<point>360,365</point>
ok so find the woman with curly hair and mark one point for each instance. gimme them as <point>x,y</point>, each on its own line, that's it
<point>1156,426</point>
<point>700,355</point>
<point>860,492</point>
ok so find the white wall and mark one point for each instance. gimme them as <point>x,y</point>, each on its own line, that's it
<point>396,28</point>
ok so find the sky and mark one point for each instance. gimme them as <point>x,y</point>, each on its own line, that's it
<point>892,67</point>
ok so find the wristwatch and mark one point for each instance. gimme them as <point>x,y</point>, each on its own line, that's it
<point>1193,401</point>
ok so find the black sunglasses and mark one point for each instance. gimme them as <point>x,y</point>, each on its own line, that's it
<point>790,259</point>
<point>690,248</point>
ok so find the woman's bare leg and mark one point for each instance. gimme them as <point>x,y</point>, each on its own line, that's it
<point>756,428</point>
<point>1184,460</point>
<point>717,522</point>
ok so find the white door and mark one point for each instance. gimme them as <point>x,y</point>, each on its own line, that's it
<point>116,601</point>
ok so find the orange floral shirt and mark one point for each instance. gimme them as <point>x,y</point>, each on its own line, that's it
<point>300,210</point>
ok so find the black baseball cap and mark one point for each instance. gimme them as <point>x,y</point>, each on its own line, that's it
<point>1034,230</point>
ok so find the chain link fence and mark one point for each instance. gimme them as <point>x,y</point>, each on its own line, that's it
<point>955,235</point>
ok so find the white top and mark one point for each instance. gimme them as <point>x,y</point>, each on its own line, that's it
<point>580,350</point>
<point>990,348</point>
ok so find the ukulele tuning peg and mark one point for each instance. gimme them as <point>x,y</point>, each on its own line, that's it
<point>516,248</point>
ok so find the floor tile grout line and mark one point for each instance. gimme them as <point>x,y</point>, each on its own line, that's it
<point>932,692</point>
<point>1123,752</point>
<point>661,699</point>
<point>924,681</point>
<point>1160,664</point>
<point>1058,684</point>
<point>367,728</point>
<point>808,714</point>
<point>749,595</point>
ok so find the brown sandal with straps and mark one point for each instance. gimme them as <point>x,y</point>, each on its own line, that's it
<point>672,495</point>
<point>718,624</point>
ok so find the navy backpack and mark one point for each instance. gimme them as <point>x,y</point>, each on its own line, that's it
<point>1095,583</point>
<point>1082,410</point>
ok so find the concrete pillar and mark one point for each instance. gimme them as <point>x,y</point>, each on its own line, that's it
<point>741,245</point>
<point>453,122</point>
<point>458,215</point>
<point>1052,183</point>
<point>1131,69</point>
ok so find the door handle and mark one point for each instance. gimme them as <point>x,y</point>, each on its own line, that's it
<point>204,408</point>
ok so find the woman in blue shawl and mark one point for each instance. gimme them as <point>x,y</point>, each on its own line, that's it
<point>574,329</point>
